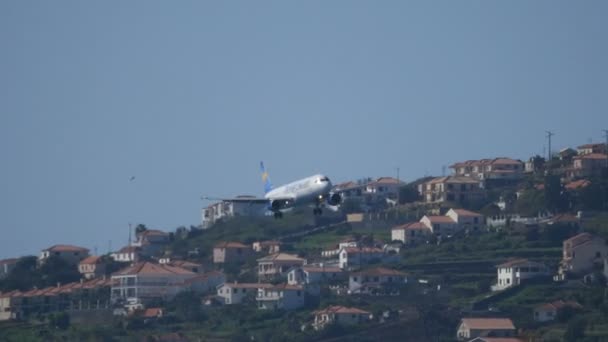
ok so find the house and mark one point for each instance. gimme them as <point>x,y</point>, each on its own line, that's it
<point>127,254</point>
<point>203,282</point>
<point>310,274</point>
<point>411,233</point>
<point>386,187</point>
<point>188,265</point>
<point>74,297</point>
<point>490,169</point>
<point>278,264</point>
<point>468,220</point>
<point>548,311</point>
<point>92,267</point>
<point>588,165</point>
<point>582,254</point>
<point>268,247</point>
<point>358,256</point>
<point>340,315</point>
<point>378,280</point>
<point>591,148</point>
<point>70,254</point>
<point>239,206</point>
<point>368,192</point>
<point>282,296</point>
<point>451,189</point>
<point>348,242</point>
<point>235,293</point>
<point>6,266</point>
<point>440,225</point>
<point>231,252</point>
<point>470,328</point>
<point>145,281</point>
<point>151,241</point>
<point>514,272</point>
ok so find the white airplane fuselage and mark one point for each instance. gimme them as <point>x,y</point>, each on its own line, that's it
<point>304,191</point>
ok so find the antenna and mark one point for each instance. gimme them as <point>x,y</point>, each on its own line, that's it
<point>443,170</point>
<point>549,134</point>
<point>129,234</point>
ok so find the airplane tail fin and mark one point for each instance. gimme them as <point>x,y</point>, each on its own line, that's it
<point>265,178</point>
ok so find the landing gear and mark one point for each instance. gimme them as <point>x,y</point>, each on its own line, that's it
<point>317,211</point>
<point>278,215</point>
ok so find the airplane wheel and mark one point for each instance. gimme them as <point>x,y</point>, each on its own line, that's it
<point>278,215</point>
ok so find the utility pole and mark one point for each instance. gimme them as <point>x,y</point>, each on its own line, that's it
<point>549,134</point>
<point>398,186</point>
<point>606,149</point>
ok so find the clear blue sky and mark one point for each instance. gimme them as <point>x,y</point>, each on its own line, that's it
<point>190,96</point>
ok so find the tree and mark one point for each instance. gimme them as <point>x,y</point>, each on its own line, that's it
<point>187,307</point>
<point>530,203</point>
<point>575,330</point>
<point>140,228</point>
<point>60,320</point>
<point>556,198</point>
<point>408,194</point>
<point>350,205</point>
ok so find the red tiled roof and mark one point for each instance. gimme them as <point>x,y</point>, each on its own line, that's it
<point>150,268</point>
<point>338,309</point>
<point>596,156</point>
<point>580,239</point>
<point>559,304</point>
<point>8,261</point>
<point>281,287</point>
<point>129,249</point>
<point>384,181</point>
<point>411,226</point>
<point>152,312</point>
<point>440,219</point>
<point>91,260</point>
<point>590,146</point>
<point>380,271</point>
<point>488,323</point>
<point>230,244</point>
<point>578,184</point>
<point>65,248</point>
<point>281,257</point>
<point>464,212</point>
<point>365,250</point>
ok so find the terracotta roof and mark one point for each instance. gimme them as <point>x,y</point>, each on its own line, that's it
<point>281,257</point>
<point>440,219</point>
<point>591,145</point>
<point>65,248</point>
<point>578,184</point>
<point>8,261</point>
<point>319,269</point>
<point>596,156</point>
<point>380,271</point>
<point>411,226</point>
<point>564,218</point>
<point>384,181</point>
<point>152,312</point>
<point>488,323</point>
<point>184,263</point>
<point>464,212</point>
<point>247,285</point>
<point>281,287</point>
<point>365,250</point>
<point>559,304</point>
<point>150,268</point>
<point>269,243</point>
<point>230,244</point>
<point>91,260</point>
<point>338,309</point>
<point>580,239</point>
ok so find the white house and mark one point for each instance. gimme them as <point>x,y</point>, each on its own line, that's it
<point>71,254</point>
<point>235,293</point>
<point>278,264</point>
<point>513,272</point>
<point>440,225</point>
<point>356,257</point>
<point>468,220</point>
<point>470,328</point>
<point>340,315</point>
<point>377,280</point>
<point>282,296</point>
<point>127,254</point>
<point>92,267</point>
<point>6,266</point>
<point>581,254</point>
<point>411,233</point>
<point>240,206</point>
<point>145,281</point>
<point>314,275</point>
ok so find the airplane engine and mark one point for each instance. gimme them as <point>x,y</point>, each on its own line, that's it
<point>334,199</point>
<point>277,205</point>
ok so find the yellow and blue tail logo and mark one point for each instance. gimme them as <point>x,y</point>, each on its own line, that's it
<point>265,178</point>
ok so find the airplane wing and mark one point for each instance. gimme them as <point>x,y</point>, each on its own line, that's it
<point>237,199</point>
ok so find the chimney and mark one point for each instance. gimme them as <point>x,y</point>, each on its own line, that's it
<point>58,284</point>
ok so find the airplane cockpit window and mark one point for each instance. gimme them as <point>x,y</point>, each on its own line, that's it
<point>324,179</point>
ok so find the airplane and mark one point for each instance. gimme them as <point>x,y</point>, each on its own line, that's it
<point>312,191</point>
